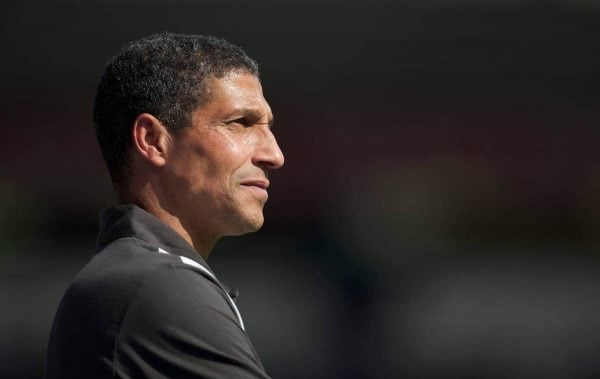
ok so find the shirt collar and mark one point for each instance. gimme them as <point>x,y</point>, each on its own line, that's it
<point>129,220</point>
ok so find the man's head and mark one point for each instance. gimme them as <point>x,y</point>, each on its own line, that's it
<point>186,132</point>
<point>165,75</point>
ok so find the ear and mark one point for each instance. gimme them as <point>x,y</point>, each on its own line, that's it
<point>150,139</point>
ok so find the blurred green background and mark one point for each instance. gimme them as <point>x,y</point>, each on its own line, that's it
<point>439,210</point>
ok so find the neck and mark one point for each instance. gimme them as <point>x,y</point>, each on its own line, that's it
<point>147,200</point>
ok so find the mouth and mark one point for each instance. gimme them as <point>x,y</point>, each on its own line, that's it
<point>258,187</point>
<point>263,184</point>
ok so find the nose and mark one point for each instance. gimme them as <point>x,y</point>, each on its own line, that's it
<point>268,155</point>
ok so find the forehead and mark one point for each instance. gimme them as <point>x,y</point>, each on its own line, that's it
<point>234,94</point>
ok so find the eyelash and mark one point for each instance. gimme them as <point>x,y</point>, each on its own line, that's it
<point>241,121</point>
<point>245,123</point>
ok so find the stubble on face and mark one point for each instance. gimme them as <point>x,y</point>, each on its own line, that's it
<point>218,166</point>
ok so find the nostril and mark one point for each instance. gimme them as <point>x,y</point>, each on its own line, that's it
<point>269,156</point>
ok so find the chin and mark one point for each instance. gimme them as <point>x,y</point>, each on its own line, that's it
<point>256,225</point>
<point>249,224</point>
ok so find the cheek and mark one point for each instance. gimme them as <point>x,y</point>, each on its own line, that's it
<point>236,150</point>
<point>189,166</point>
<point>239,143</point>
<point>231,144</point>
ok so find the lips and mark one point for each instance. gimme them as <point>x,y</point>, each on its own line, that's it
<point>263,184</point>
<point>258,187</point>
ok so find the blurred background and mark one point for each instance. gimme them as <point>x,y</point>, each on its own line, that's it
<point>439,210</point>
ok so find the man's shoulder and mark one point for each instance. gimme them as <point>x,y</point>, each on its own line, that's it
<point>117,266</point>
<point>121,268</point>
<point>131,291</point>
<point>127,271</point>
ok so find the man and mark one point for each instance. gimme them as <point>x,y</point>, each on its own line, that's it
<point>186,134</point>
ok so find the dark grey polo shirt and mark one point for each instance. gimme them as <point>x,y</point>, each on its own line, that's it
<point>147,306</point>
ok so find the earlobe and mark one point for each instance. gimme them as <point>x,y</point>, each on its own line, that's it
<point>150,139</point>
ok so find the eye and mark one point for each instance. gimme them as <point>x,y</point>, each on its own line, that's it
<point>243,121</point>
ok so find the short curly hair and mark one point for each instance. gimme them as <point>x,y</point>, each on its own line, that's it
<point>164,74</point>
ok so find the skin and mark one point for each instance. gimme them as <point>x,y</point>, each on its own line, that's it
<point>211,179</point>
